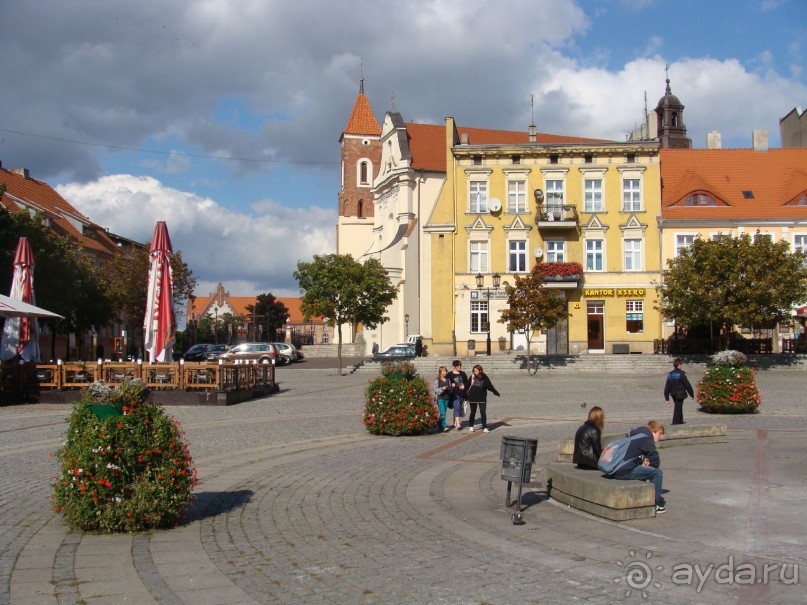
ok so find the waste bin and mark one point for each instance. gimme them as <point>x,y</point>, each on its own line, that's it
<point>513,451</point>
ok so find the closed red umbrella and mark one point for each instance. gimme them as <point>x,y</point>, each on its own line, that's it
<point>21,334</point>
<point>160,323</point>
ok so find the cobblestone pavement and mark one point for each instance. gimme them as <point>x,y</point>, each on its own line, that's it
<point>297,503</point>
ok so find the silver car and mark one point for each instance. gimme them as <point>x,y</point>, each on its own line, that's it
<point>288,352</point>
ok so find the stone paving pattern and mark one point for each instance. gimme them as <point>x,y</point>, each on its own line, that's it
<point>297,503</point>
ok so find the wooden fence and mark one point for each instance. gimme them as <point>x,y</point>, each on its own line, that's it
<point>26,377</point>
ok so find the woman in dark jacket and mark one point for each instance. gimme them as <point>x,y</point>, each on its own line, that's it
<point>478,388</point>
<point>587,440</point>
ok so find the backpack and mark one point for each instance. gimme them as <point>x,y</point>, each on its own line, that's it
<point>612,458</point>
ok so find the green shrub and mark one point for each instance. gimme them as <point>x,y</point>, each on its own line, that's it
<point>131,472</point>
<point>395,406</point>
<point>406,368</point>
<point>729,386</point>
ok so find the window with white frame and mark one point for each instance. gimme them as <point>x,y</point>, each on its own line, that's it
<point>479,257</point>
<point>800,242</point>
<point>479,196</point>
<point>634,316</point>
<point>364,172</point>
<point>592,195</point>
<point>555,250</point>
<point>631,195</point>
<point>759,236</point>
<point>554,193</point>
<point>633,255</point>
<point>517,256</point>
<point>716,237</point>
<point>517,196</point>
<point>479,315</point>
<point>594,255</point>
<point>683,240</point>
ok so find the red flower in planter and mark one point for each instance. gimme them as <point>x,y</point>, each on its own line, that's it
<point>564,269</point>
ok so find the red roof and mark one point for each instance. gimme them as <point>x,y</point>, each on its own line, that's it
<point>745,183</point>
<point>362,119</point>
<point>43,198</point>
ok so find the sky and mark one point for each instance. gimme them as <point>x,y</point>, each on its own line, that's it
<point>223,117</point>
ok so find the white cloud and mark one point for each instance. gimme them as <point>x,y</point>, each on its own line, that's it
<point>258,250</point>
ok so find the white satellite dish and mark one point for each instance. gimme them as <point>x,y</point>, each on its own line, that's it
<point>538,253</point>
<point>494,204</point>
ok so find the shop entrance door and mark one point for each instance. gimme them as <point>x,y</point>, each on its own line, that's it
<point>596,335</point>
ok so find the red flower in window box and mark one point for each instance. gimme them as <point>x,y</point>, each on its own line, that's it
<point>570,271</point>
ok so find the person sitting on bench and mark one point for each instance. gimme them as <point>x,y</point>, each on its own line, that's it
<point>645,460</point>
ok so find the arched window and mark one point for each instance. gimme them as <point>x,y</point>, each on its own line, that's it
<point>364,172</point>
<point>675,119</point>
<point>700,199</point>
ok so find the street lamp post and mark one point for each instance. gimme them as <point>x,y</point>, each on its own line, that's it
<point>406,326</point>
<point>480,285</point>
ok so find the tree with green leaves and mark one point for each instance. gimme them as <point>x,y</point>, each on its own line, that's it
<point>344,290</point>
<point>532,307</point>
<point>270,315</point>
<point>733,281</point>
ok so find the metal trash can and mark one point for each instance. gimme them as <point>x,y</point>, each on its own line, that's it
<point>513,451</point>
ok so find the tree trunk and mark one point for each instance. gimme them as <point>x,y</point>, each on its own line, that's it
<point>339,347</point>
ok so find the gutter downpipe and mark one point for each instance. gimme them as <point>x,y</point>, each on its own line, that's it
<point>452,163</point>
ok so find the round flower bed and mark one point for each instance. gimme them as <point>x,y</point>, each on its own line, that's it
<point>396,405</point>
<point>729,386</point>
<point>125,465</point>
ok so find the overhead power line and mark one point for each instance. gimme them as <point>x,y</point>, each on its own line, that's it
<point>158,152</point>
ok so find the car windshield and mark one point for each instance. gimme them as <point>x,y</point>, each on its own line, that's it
<point>197,348</point>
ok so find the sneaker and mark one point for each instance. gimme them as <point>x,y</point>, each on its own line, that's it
<point>485,431</point>
<point>445,430</point>
<point>470,428</point>
<point>661,509</point>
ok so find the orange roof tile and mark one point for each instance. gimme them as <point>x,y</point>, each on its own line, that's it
<point>775,178</point>
<point>427,142</point>
<point>44,198</point>
<point>362,119</point>
<point>239,305</point>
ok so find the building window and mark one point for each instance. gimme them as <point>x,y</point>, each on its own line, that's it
<point>554,193</point>
<point>479,196</point>
<point>630,158</point>
<point>477,159</point>
<point>633,255</point>
<point>593,195</point>
<point>631,195</point>
<point>700,199</point>
<point>479,315</point>
<point>517,259</point>
<point>683,241</point>
<point>800,243</point>
<point>758,237</point>
<point>516,196</point>
<point>364,172</point>
<point>588,158</point>
<point>479,257</point>
<point>516,159</point>
<point>594,255</point>
<point>634,316</point>
<point>716,237</point>
<point>553,158</point>
<point>555,251</point>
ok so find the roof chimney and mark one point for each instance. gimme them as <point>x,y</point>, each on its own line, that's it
<point>533,133</point>
<point>713,140</point>
<point>759,138</point>
<point>464,138</point>
<point>23,172</point>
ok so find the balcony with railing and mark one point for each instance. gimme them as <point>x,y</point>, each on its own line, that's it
<point>562,275</point>
<point>557,216</point>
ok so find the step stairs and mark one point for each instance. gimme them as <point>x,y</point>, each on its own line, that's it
<point>605,363</point>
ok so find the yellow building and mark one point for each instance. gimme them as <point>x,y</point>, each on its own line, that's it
<point>505,207</point>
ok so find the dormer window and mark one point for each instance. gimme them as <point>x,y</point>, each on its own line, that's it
<point>700,199</point>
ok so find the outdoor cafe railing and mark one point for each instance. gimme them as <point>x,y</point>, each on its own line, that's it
<point>156,376</point>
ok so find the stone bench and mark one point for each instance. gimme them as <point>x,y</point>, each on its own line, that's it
<point>590,491</point>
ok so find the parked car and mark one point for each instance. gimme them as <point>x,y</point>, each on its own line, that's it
<point>288,351</point>
<point>249,351</point>
<point>401,351</point>
<point>197,352</point>
<point>215,350</point>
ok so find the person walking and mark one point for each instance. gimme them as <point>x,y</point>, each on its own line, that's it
<point>443,390</point>
<point>644,460</point>
<point>419,347</point>
<point>478,388</point>
<point>678,387</point>
<point>459,381</point>
<point>588,440</point>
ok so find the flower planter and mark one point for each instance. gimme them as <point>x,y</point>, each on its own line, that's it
<point>401,376</point>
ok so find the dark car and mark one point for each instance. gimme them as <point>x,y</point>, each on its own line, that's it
<point>214,351</point>
<point>197,352</point>
<point>402,351</point>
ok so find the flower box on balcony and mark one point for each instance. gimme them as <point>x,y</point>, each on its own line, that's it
<point>563,271</point>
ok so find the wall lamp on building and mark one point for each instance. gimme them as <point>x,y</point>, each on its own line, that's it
<point>406,325</point>
<point>480,285</point>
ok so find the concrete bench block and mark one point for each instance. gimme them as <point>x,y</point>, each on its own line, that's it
<point>591,492</point>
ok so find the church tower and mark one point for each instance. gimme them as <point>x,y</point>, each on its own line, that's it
<point>361,159</point>
<point>672,133</point>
